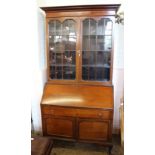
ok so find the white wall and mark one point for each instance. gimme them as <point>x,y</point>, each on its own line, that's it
<point>21,78</point>
<point>118,72</point>
<point>74,2</point>
<point>40,69</point>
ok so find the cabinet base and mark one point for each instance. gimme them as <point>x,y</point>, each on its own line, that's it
<point>108,145</point>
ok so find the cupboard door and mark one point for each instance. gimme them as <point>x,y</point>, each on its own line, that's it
<point>94,130</point>
<point>62,41</point>
<point>96,48</point>
<point>60,126</point>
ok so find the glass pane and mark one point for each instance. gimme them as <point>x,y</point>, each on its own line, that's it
<point>103,59</point>
<point>99,73</point>
<point>72,42</point>
<point>65,28</point>
<point>100,29</point>
<point>52,59</point>
<point>56,72</point>
<point>92,56</point>
<point>51,45</point>
<point>88,58</point>
<point>102,74</point>
<point>69,42</point>
<point>55,43</point>
<point>108,32</point>
<point>72,28</point>
<point>69,72</point>
<point>92,29</point>
<point>93,43</point>
<point>85,58</point>
<point>104,27</point>
<point>107,43</point>
<point>62,49</point>
<point>108,27</point>
<point>107,59</point>
<point>106,74</point>
<point>103,66</point>
<point>52,72</point>
<point>58,28</point>
<point>69,58</point>
<point>86,27</point>
<point>59,72</point>
<point>85,73</point>
<point>100,58</point>
<point>100,42</point>
<point>58,58</point>
<point>51,28</point>
<point>68,27</point>
<point>86,43</point>
<point>104,43</point>
<point>92,73</point>
<point>108,24</point>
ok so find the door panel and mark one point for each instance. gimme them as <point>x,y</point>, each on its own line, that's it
<point>61,127</point>
<point>93,130</point>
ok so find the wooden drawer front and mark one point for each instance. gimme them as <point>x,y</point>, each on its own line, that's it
<point>91,113</point>
<point>58,111</point>
<point>93,130</point>
<point>60,127</point>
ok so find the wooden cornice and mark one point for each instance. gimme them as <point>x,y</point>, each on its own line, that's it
<point>113,7</point>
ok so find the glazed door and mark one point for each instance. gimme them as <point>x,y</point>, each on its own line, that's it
<point>62,48</point>
<point>96,49</point>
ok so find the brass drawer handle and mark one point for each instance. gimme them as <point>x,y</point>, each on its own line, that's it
<point>52,111</point>
<point>100,114</point>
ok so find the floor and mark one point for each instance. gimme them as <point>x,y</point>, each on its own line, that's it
<point>70,148</point>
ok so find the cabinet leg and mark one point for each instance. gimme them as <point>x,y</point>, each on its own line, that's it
<point>109,150</point>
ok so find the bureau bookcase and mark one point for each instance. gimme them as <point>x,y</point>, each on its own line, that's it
<point>77,102</point>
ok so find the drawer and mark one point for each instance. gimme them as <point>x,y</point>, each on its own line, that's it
<point>76,112</point>
<point>58,111</point>
<point>92,113</point>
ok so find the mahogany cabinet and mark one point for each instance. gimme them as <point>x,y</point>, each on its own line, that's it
<point>77,102</point>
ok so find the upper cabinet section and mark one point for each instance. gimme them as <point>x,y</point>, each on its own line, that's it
<point>80,44</point>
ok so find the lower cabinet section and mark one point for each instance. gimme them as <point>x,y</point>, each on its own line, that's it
<point>82,113</point>
<point>74,124</point>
